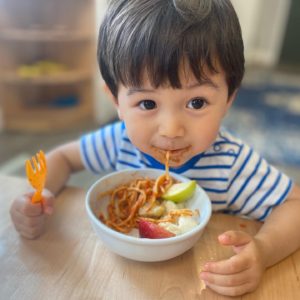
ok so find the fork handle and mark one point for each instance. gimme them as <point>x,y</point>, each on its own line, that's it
<point>37,197</point>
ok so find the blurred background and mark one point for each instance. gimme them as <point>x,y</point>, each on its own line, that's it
<point>50,86</point>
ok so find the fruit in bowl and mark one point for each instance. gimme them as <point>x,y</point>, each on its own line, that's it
<point>157,238</point>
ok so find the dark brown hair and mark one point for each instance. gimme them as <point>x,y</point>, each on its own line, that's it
<point>156,36</point>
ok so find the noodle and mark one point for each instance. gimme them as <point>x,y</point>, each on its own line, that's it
<point>167,164</point>
<point>126,201</point>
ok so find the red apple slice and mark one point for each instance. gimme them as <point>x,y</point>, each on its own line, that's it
<point>152,231</point>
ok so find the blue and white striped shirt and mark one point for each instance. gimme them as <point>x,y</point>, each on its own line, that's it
<point>236,179</point>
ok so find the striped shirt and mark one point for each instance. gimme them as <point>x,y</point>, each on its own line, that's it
<point>237,180</point>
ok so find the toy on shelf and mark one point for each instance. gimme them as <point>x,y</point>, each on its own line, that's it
<point>41,68</point>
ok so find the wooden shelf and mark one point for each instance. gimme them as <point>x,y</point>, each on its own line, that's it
<point>47,61</point>
<point>43,35</point>
<point>45,120</point>
<point>67,77</point>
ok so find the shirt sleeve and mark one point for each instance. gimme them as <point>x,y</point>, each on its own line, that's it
<point>99,149</point>
<point>255,187</point>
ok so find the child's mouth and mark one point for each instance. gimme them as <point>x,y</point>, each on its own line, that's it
<point>176,155</point>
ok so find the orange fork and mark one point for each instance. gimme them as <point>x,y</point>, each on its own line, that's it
<point>36,171</point>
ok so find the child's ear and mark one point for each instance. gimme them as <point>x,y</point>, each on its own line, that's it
<point>109,93</point>
<point>112,98</point>
<point>231,99</point>
<point>119,112</point>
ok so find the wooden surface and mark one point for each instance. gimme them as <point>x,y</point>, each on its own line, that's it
<point>69,262</point>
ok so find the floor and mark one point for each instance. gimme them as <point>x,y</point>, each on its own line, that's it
<point>16,147</point>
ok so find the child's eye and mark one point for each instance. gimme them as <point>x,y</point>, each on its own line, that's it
<point>147,104</point>
<point>197,103</point>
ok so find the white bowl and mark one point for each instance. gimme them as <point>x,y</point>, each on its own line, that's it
<point>131,246</point>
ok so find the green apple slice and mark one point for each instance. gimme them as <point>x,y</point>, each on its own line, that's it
<point>180,192</point>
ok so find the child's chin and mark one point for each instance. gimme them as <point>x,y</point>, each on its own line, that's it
<point>175,163</point>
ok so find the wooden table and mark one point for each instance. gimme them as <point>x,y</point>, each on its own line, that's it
<point>70,262</point>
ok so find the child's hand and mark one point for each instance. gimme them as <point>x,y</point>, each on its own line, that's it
<point>240,273</point>
<point>29,218</point>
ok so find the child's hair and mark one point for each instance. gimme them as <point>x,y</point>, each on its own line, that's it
<point>157,36</point>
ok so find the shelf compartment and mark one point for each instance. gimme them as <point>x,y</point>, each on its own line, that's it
<point>46,120</point>
<point>42,35</point>
<point>67,77</point>
<point>58,31</point>
<point>43,109</point>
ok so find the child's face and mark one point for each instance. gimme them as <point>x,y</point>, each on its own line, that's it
<point>183,121</point>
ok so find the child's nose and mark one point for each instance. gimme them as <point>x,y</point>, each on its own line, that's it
<point>171,127</point>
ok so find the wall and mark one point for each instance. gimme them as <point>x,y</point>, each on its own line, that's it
<point>289,56</point>
<point>263,25</point>
<point>1,120</point>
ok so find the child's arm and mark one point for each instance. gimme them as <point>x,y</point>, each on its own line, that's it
<point>28,218</point>
<point>61,163</point>
<point>277,238</point>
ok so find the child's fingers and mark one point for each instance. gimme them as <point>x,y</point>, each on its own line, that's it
<point>29,222</point>
<point>48,202</point>
<point>29,227</point>
<point>24,205</point>
<point>231,291</point>
<point>234,264</point>
<point>225,280</point>
<point>29,218</point>
<point>30,233</point>
<point>234,238</point>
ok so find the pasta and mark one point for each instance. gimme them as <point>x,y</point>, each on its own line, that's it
<point>138,199</point>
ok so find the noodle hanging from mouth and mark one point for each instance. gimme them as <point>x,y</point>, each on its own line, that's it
<point>167,163</point>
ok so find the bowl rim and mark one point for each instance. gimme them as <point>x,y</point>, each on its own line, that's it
<point>146,241</point>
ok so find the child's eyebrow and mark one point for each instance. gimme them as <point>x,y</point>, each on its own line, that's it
<point>208,82</point>
<point>132,91</point>
<point>203,82</point>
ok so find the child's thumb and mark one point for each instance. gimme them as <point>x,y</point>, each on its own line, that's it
<point>234,238</point>
<point>48,202</point>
